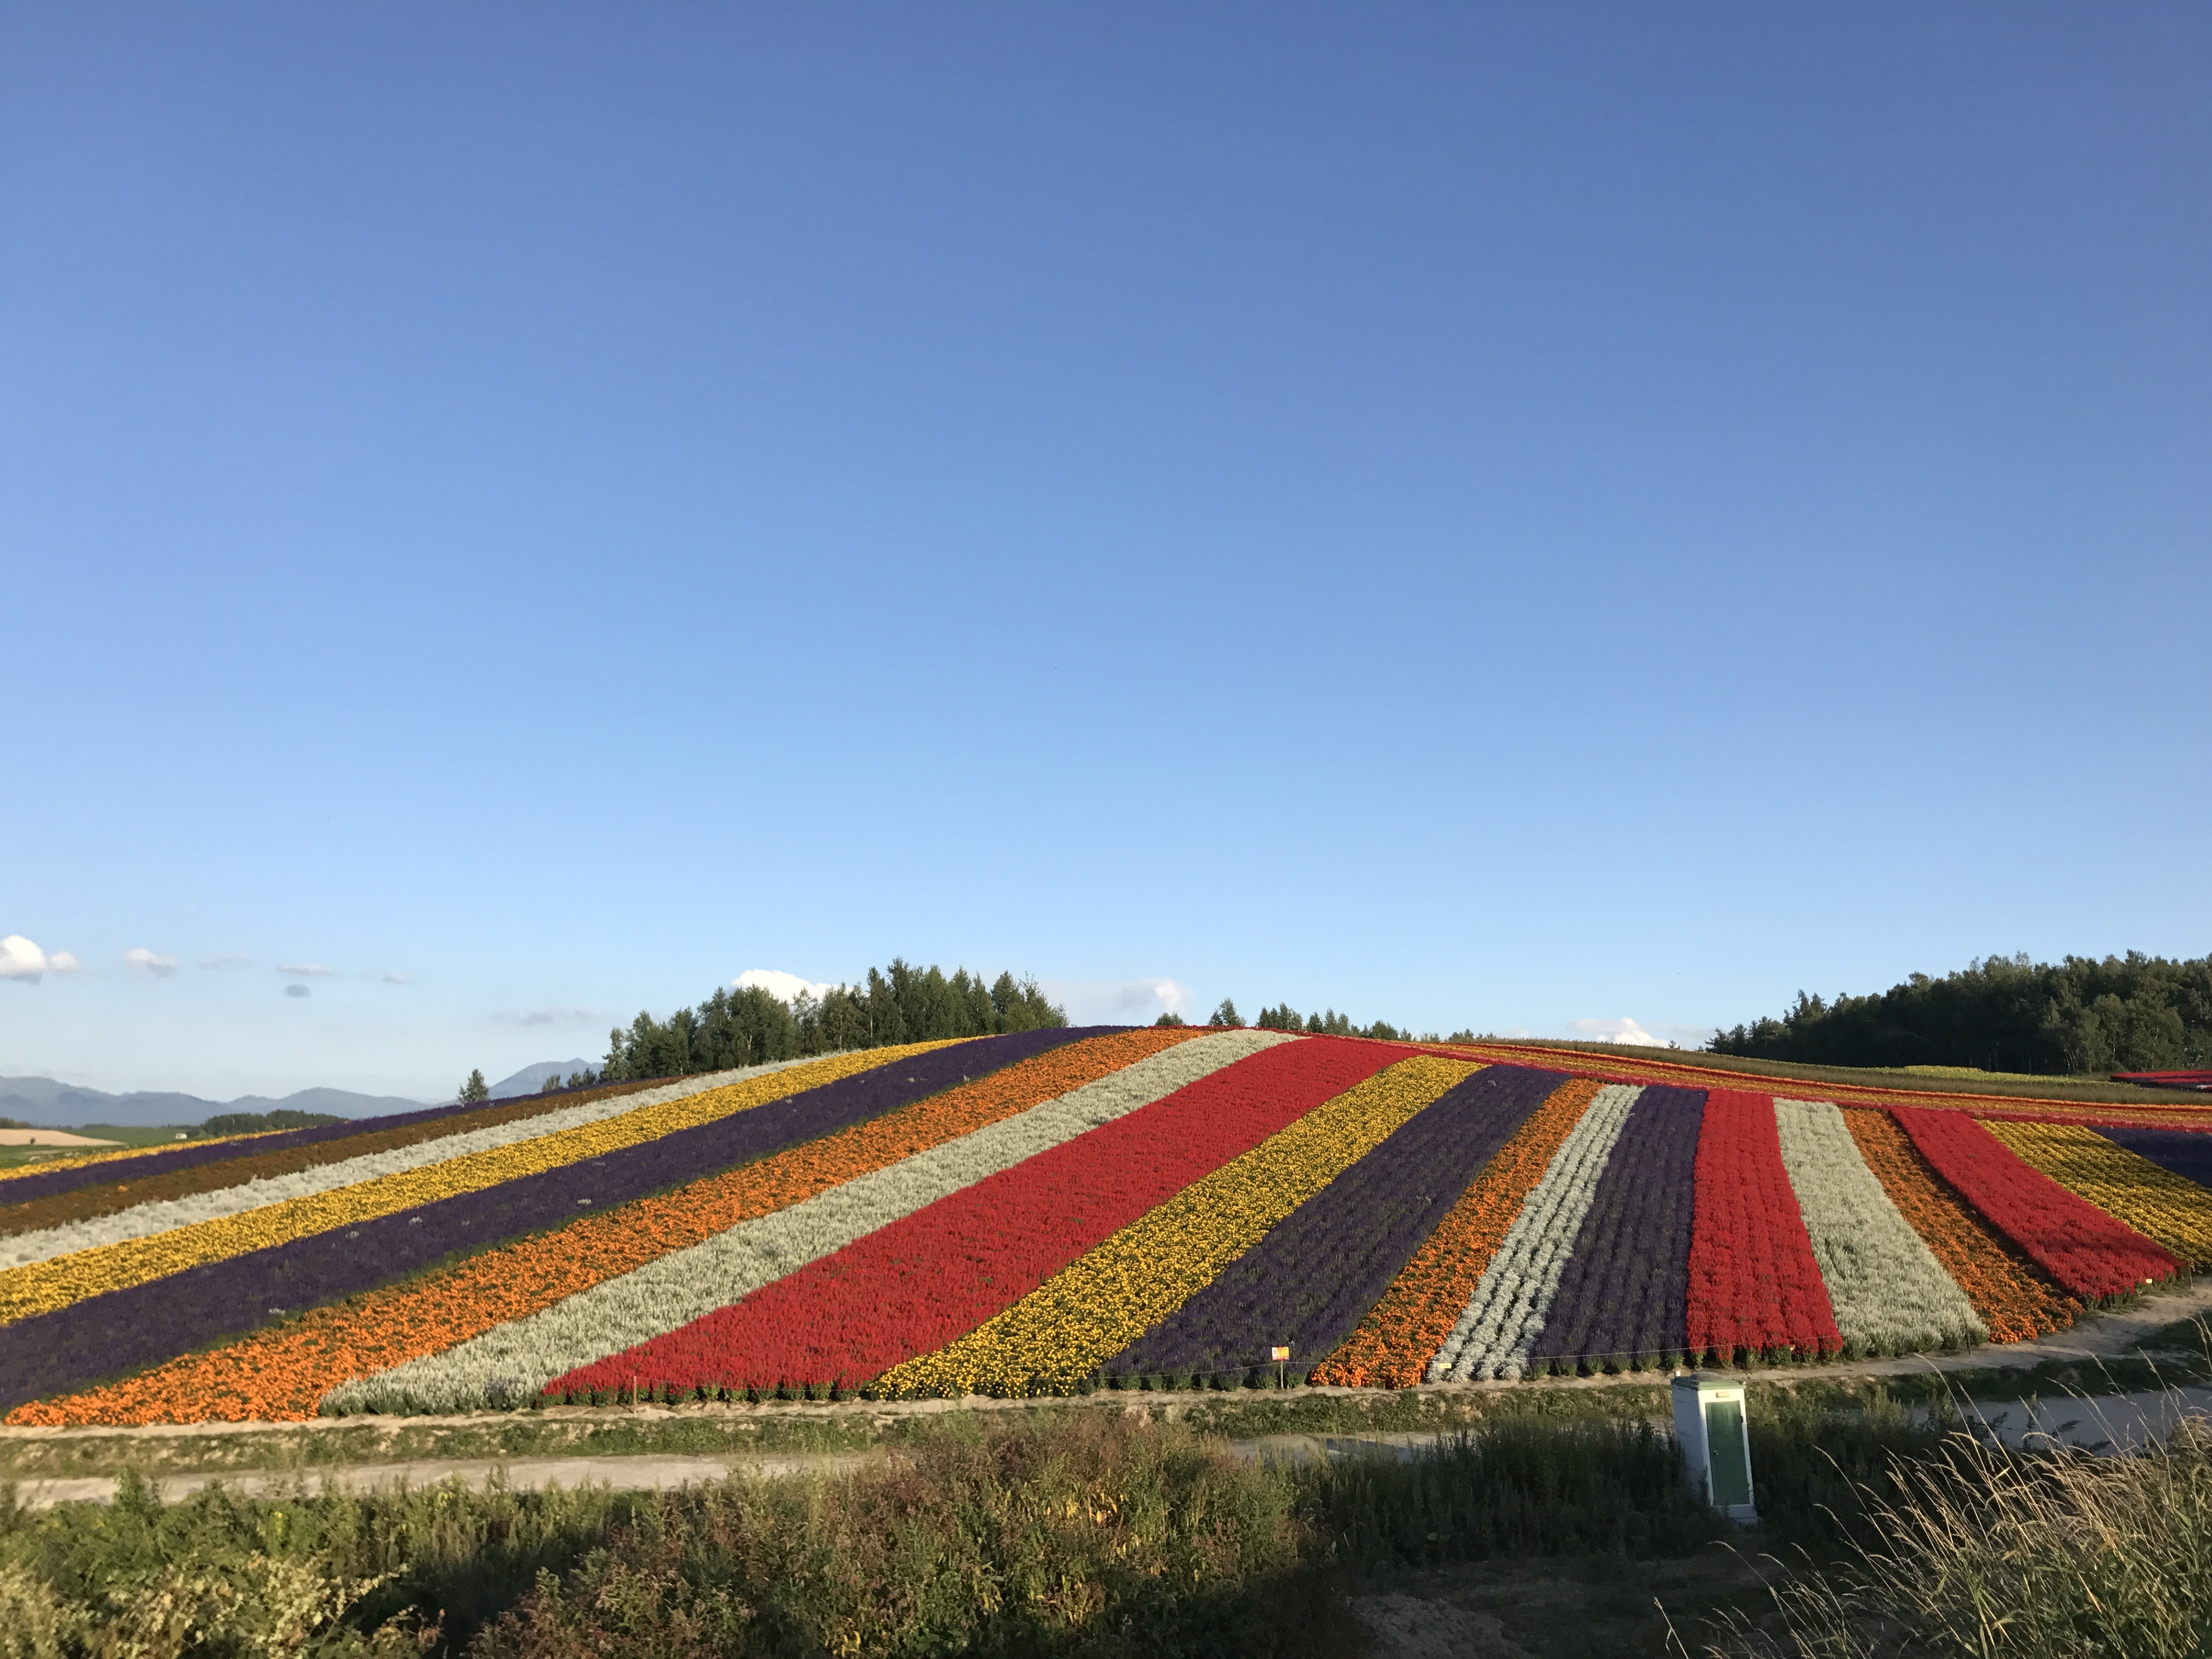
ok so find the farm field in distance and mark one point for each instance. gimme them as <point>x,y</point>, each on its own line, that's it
<point>1064,1210</point>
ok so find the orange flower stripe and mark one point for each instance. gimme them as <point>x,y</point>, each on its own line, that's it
<point>2014,1300</point>
<point>281,1373</point>
<point>1393,1346</point>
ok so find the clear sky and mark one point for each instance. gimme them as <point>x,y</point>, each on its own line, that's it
<point>1504,516</point>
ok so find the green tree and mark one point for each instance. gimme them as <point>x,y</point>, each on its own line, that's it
<point>475,1092</point>
<point>749,1026</point>
<point>1169,1019</point>
<point>1226,1014</point>
<point>2005,1014</point>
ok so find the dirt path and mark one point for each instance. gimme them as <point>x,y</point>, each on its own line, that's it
<point>2102,1336</point>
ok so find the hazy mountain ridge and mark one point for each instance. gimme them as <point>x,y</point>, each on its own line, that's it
<point>51,1105</point>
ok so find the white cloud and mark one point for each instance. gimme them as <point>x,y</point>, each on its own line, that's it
<point>297,991</point>
<point>787,987</point>
<point>1119,1002</point>
<point>230,959</point>
<point>150,961</point>
<point>304,970</point>
<point>20,959</point>
<point>1153,996</point>
<point>395,977</point>
<point>1618,1030</point>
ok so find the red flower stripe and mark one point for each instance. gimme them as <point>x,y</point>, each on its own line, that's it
<point>921,1282</point>
<point>1755,1286</point>
<point>2085,1250</point>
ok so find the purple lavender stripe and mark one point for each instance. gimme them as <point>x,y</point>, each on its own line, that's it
<point>2186,1152</point>
<point>47,1182</point>
<point>1625,1290</point>
<point>1312,1278</point>
<point>105,1336</point>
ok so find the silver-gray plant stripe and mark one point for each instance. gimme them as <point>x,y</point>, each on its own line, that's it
<point>1889,1293</point>
<point>518,1358</point>
<point>1506,1313</point>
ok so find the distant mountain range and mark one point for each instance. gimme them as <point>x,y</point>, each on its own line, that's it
<point>51,1104</point>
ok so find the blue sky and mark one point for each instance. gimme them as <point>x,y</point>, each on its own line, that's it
<point>1498,517</point>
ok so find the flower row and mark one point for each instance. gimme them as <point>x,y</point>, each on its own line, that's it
<point>1032,1213</point>
<point>2154,1200</point>
<point>259,1158</point>
<point>832,1194</point>
<point>1886,1291</point>
<point>1506,1316</point>
<point>109,1335</point>
<point>373,1341</point>
<point>1306,1284</point>
<point>1155,1267</point>
<point>390,1182</point>
<point>2013,1300</point>
<point>2092,1254</point>
<point>97,1170</point>
<point>259,1188</point>
<point>929,1278</point>
<point>1392,1346</point>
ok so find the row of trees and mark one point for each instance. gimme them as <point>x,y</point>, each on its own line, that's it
<point>1287,1018</point>
<point>2131,1013</point>
<point>748,1026</point>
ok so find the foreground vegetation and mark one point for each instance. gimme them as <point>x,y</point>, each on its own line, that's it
<point>1078,1531</point>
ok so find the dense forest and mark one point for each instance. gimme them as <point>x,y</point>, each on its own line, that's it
<point>901,1003</point>
<point>2132,1013</point>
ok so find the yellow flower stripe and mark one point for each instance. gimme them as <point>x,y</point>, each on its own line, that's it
<point>2151,1199</point>
<point>1093,1308</point>
<point>42,1287</point>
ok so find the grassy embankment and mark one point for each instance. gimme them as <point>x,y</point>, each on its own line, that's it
<point>1077,1531</point>
<point>1102,1534</point>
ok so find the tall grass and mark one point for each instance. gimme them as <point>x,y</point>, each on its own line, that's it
<point>1981,1551</point>
<point>1515,1488</point>
<point>1096,1535</point>
<point>1105,1535</point>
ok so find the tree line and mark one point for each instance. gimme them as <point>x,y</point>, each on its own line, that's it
<point>1331,1023</point>
<point>749,1025</point>
<point>2131,1013</point>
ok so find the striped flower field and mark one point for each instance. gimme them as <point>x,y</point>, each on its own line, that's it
<point>1056,1211</point>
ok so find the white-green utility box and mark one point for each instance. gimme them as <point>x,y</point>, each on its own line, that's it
<point>1716,1446</point>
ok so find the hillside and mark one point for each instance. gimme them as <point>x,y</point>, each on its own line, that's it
<point>1058,1210</point>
